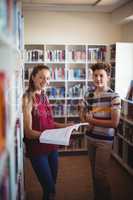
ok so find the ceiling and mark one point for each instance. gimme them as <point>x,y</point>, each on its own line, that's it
<point>83,5</point>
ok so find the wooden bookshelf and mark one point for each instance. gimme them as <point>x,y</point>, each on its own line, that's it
<point>123,141</point>
<point>121,57</point>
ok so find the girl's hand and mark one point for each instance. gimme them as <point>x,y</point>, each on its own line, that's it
<point>63,125</point>
<point>69,124</point>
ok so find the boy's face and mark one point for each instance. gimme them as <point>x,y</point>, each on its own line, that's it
<point>100,78</point>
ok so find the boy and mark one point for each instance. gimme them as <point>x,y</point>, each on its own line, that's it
<point>103,116</point>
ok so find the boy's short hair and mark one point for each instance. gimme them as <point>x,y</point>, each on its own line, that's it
<point>105,66</point>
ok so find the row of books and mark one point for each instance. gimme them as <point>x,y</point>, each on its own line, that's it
<point>27,73</point>
<point>113,71</point>
<point>121,152</point>
<point>35,55</point>
<point>76,73</point>
<point>58,109</point>
<point>72,110</point>
<point>56,55</point>
<point>54,92</point>
<point>18,146</point>
<point>5,178</point>
<point>97,54</point>
<point>120,147</point>
<point>77,56</point>
<point>57,73</point>
<point>5,183</point>
<point>128,132</point>
<point>9,106</point>
<point>63,110</point>
<point>2,112</point>
<point>75,143</point>
<point>112,52</point>
<point>125,130</point>
<point>77,90</point>
<point>127,106</point>
<point>130,97</point>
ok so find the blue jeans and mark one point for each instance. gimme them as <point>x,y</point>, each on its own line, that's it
<point>46,167</point>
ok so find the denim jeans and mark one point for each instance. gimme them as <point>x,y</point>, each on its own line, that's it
<point>46,167</point>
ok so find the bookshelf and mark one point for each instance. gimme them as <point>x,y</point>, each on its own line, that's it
<point>11,88</point>
<point>113,62</point>
<point>71,77</point>
<point>123,141</point>
<point>122,60</point>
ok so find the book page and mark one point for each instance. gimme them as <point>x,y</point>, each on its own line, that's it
<point>60,136</point>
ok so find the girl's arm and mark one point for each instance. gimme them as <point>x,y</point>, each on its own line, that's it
<point>62,125</point>
<point>27,108</point>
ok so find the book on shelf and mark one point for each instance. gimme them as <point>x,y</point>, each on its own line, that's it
<point>60,136</point>
<point>2,111</point>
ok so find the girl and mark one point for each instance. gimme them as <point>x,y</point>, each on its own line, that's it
<point>38,117</point>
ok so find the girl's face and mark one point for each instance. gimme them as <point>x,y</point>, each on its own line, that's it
<point>100,78</point>
<point>41,79</point>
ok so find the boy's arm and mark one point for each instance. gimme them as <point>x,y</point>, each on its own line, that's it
<point>115,114</point>
<point>112,123</point>
<point>81,111</point>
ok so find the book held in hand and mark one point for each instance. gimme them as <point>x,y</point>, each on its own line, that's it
<point>60,136</point>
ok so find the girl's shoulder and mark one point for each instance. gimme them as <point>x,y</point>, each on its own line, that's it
<point>27,98</point>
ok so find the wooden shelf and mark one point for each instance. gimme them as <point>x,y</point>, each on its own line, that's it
<point>125,165</point>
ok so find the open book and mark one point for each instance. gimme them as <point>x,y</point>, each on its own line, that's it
<point>59,136</point>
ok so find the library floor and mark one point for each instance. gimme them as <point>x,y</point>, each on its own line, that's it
<point>75,183</point>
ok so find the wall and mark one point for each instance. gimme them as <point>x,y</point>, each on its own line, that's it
<point>127,32</point>
<point>70,27</point>
<point>122,14</point>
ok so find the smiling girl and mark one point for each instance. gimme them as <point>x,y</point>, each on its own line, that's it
<point>38,117</point>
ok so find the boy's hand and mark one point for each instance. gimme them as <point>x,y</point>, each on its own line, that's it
<point>81,106</point>
<point>89,116</point>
